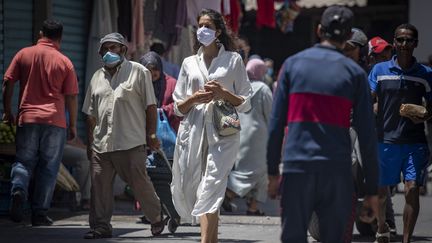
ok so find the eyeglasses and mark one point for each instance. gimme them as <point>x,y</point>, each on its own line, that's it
<point>110,47</point>
<point>409,41</point>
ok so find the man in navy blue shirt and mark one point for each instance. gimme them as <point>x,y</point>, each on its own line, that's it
<point>317,90</point>
<point>402,141</point>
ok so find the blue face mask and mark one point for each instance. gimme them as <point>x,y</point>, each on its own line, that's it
<point>242,53</point>
<point>111,59</point>
<point>270,71</point>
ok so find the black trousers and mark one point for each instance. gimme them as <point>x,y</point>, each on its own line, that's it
<point>330,195</point>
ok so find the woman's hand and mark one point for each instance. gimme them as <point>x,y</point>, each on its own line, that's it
<point>199,97</point>
<point>214,86</point>
<point>202,96</point>
<point>220,93</point>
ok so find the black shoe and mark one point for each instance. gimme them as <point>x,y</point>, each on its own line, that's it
<point>392,227</point>
<point>41,220</point>
<point>228,205</point>
<point>255,213</point>
<point>94,234</point>
<point>143,220</point>
<point>157,228</point>
<point>17,209</point>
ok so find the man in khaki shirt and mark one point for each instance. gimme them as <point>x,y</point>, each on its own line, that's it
<point>121,119</point>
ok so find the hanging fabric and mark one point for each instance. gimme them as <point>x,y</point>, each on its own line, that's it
<point>124,19</point>
<point>265,14</point>
<point>103,21</point>
<point>194,7</point>
<point>137,41</point>
<point>231,11</point>
<point>250,5</point>
<point>286,15</point>
<point>173,17</point>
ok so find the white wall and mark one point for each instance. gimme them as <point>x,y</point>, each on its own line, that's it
<point>421,17</point>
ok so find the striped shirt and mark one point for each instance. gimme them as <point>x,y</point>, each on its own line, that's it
<point>393,87</point>
<point>317,90</point>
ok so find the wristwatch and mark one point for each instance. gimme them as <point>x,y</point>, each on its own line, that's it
<point>152,136</point>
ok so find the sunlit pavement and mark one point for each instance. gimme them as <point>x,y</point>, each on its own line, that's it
<point>234,227</point>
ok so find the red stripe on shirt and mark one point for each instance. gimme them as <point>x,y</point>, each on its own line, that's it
<point>326,109</point>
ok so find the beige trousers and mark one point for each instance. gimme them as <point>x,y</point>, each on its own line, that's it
<point>130,166</point>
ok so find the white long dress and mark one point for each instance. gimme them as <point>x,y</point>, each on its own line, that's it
<point>203,159</point>
<point>250,171</point>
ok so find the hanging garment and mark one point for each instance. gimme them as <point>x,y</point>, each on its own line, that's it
<point>233,16</point>
<point>104,21</point>
<point>265,14</point>
<point>194,7</point>
<point>124,19</point>
<point>137,42</point>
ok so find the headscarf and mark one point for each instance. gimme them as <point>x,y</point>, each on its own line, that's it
<point>256,69</point>
<point>152,59</point>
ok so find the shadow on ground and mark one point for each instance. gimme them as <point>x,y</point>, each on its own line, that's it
<point>398,238</point>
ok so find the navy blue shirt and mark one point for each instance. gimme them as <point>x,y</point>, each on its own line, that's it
<point>393,87</point>
<point>317,90</point>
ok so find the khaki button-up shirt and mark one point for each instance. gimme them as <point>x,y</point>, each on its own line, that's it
<point>119,105</point>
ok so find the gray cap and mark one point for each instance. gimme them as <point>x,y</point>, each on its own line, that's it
<point>337,21</point>
<point>113,37</point>
<point>358,37</point>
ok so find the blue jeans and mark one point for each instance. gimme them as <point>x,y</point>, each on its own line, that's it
<point>39,149</point>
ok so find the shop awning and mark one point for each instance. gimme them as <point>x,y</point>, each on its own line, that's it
<point>325,3</point>
<point>252,4</point>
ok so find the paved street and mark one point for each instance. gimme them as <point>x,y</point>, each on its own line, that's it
<point>70,227</point>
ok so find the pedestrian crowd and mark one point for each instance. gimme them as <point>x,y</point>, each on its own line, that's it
<point>346,102</point>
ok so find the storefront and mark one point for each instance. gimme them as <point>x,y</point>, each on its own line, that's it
<point>20,22</point>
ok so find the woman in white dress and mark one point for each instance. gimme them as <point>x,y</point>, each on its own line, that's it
<point>203,159</point>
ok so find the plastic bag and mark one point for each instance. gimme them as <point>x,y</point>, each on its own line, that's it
<point>165,134</point>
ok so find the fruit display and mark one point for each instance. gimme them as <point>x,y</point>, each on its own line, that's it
<point>7,133</point>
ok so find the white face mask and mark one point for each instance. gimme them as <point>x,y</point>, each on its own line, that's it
<point>205,35</point>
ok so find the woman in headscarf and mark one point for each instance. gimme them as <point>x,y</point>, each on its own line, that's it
<point>163,86</point>
<point>248,178</point>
